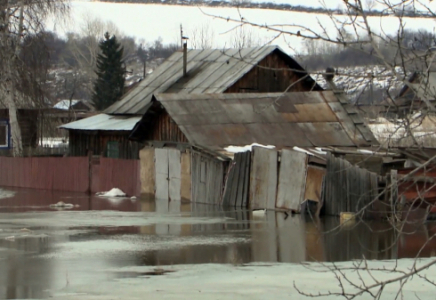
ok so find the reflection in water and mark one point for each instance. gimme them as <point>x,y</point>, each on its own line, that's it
<point>50,258</point>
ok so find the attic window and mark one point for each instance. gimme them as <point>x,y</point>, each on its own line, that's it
<point>4,134</point>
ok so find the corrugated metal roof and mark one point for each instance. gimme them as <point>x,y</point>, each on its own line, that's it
<point>103,122</point>
<point>209,71</point>
<point>304,119</point>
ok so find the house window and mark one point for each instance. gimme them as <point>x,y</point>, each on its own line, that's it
<point>112,150</point>
<point>4,134</point>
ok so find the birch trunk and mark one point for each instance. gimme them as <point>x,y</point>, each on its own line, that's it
<point>10,55</point>
<point>17,145</point>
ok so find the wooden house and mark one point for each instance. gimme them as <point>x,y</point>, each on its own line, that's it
<point>186,133</point>
<point>250,70</point>
<point>28,122</point>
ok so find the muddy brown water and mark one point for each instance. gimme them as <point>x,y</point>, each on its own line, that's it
<point>43,249</point>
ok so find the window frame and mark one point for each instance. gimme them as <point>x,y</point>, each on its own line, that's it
<point>5,123</point>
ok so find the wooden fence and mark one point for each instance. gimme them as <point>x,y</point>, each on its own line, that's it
<point>348,188</point>
<point>73,174</point>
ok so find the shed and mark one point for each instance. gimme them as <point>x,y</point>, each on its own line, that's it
<point>250,70</point>
<point>201,125</point>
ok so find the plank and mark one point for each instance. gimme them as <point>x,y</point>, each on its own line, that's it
<point>292,180</point>
<point>161,166</point>
<point>147,170</point>
<point>235,183</point>
<point>228,186</point>
<point>263,178</point>
<point>240,187</point>
<point>186,181</point>
<point>246,179</point>
<point>174,175</point>
<point>314,180</point>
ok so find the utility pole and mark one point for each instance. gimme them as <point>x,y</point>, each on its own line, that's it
<point>181,36</point>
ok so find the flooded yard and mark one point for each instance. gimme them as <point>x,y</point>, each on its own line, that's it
<point>110,248</point>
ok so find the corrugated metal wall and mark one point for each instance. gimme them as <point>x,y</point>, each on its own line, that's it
<point>48,173</point>
<point>70,174</point>
<point>119,173</point>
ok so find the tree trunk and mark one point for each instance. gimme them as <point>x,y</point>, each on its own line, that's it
<point>17,145</point>
<point>11,76</point>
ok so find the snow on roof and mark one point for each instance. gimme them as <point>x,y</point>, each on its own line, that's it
<point>103,122</point>
<point>65,104</point>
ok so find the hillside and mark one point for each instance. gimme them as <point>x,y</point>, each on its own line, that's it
<point>151,21</point>
<point>365,84</point>
<point>311,6</point>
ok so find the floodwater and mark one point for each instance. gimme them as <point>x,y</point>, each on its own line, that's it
<point>43,249</point>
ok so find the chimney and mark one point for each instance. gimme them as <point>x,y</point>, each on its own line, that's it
<point>185,57</point>
<point>328,76</point>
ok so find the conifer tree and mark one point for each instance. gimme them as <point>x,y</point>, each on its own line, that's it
<point>109,85</point>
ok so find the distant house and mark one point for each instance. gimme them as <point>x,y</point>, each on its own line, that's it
<point>74,105</point>
<point>27,115</point>
<point>250,70</point>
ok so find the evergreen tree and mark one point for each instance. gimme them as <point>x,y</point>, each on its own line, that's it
<point>109,85</point>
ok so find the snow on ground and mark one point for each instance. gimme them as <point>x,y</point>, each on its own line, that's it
<point>355,80</point>
<point>53,142</point>
<point>151,21</point>
<point>252,281</point>
<point>6,194</point>
<point>389,133</point>
<point>65,104</point>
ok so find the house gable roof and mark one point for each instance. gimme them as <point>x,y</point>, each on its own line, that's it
<point>303,119</point>
<point>208,71</point>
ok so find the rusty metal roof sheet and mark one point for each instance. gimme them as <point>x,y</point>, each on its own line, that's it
<point>303,119</point>
<point>103,122</point>
<point>208,71</point>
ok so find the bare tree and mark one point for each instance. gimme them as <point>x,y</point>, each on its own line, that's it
<point>411,64</point>
<point>18,19</point>
<point>202,37</point>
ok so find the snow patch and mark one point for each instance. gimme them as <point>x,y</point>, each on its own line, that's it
<point>65,104</point>
<point>6,194</point>
<point>62,204</point>
<point>237,149</point>
<point>115,192</point>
